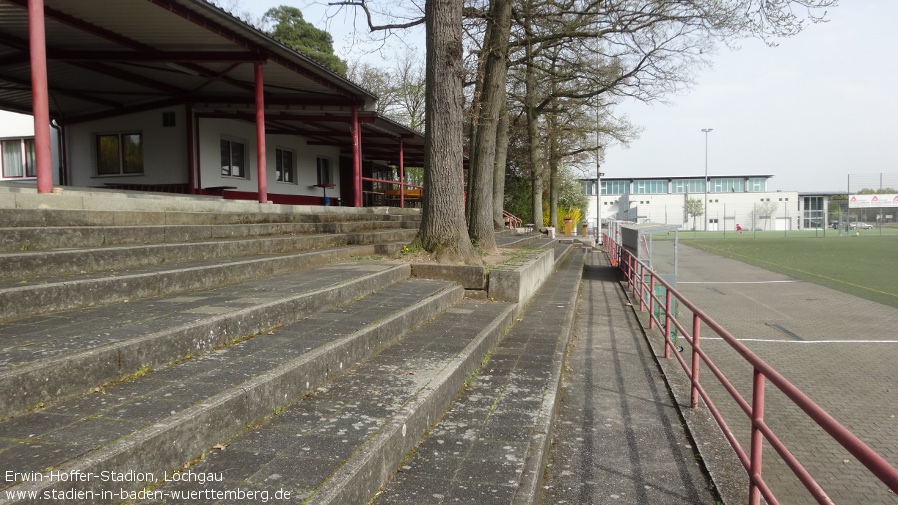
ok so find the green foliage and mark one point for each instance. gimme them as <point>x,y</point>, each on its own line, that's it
<point>517,195</point>
<point>575,214</point>
<point>694,208</point>
<point>883,191</point>
<point>570,190</point>
<point>291,29</point>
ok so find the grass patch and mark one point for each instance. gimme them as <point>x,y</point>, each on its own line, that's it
<point>864,266</point>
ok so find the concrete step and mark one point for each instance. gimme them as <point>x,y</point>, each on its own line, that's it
<point>44,359</point>
<point>41,264</point>
<point>30,297</point>
<point>492,444</point>
<point>48,217</point>
<point>41,238</point>
<point>157,421</point>
<point>340,444</point>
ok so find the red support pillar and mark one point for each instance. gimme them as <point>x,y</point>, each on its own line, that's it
<point>195,124</point>
<point>260,134</point>
<point>356,158</point>
<point>191,166</point>
<point>401,173</point>
<point>40,100</point>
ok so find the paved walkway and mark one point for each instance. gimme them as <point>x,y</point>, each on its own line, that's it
<point>839,349</point>
<point>618,437</point>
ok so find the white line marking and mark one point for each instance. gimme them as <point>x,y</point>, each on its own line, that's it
<point>808,341</point>
<point>734,282</point>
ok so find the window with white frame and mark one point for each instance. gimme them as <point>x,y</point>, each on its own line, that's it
<point>615,187</point>
<point>651,187</point>
<point>17,158</point>
<point>119,153</point>
<point>325,177</point>
<point>683,186</point>
<point>757,184</point>
<point>284,165</point>
<point>233,158</point>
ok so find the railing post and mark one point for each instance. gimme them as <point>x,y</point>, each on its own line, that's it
<point>696,331</point>
<point>757,438</point>
<point>667,321</point>
<point>641,287</point>
<point>652,303</point>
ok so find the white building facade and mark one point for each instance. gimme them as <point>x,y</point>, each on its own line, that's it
<point>722,204</point>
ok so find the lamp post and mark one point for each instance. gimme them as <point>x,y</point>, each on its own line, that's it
<point>707,182</point>
<point>599,174</point>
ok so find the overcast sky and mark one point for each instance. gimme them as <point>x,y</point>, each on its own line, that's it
<point>819,107</point>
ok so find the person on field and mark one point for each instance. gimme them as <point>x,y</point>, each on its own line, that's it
<point>739,228</point>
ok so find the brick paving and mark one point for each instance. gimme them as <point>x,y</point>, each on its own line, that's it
<point>839,349</point>
<point>618,436</point>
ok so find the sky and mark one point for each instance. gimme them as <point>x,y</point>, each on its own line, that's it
<point>817,111</point>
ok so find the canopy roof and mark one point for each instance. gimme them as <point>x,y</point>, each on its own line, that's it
<point>107,58</point>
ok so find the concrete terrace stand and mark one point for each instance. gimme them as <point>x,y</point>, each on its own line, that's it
<point>274,331</point>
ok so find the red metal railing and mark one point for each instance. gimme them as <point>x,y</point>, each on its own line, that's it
<point>512,220</point>
<point>407,192</point>
<point>641,281</point>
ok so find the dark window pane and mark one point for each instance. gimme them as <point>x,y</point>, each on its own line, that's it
<point>107,155</point>
<point>288,166</point>
<point>278,164</point>
<point>30,169</point>
<point>12,158</point>
<point>132,154</point>
<point>238,158</point>
<point>324,172</point>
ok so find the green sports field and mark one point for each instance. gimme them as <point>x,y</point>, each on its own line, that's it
<point>865,265</point>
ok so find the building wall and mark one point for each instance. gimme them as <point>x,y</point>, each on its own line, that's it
<point>164,149</point>
<point>15,126</point>
<point>213,130</point>
<point>724,212</point>
<point>166,161</point>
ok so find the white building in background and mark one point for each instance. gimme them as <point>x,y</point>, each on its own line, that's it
<point>731,200</point>
<point>17,148</point>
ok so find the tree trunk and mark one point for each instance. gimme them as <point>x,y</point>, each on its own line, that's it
<point>483,160</point>
<point>553,172</point>
<point>442,231</point>
<point>536,162</point>
<point>501,157</point>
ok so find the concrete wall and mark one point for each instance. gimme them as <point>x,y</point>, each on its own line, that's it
<point>520,284</point>
<point>211,132</point>
<point>14,125</point>
<point>166,157</point>
<point>728,209</point>
<point>164,148</point>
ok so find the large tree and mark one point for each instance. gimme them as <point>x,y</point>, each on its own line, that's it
<point>442,230</point>
<point>643,49</point>
<point>487,113</point>
<point>290,28</point>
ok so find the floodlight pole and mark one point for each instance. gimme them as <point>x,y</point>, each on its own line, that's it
<point>599,175</point>
<point>707,182</point>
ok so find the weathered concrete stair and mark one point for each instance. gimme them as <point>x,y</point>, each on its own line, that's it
<point>89,263</point>
<point>317,378</point>
<point>46,358</point>
<point>156,421</point>
<point>341,444</point>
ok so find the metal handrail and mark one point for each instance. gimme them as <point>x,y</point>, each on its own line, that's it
<point>513,221</point>
<point>641,281</point>
<point>403,187</point>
